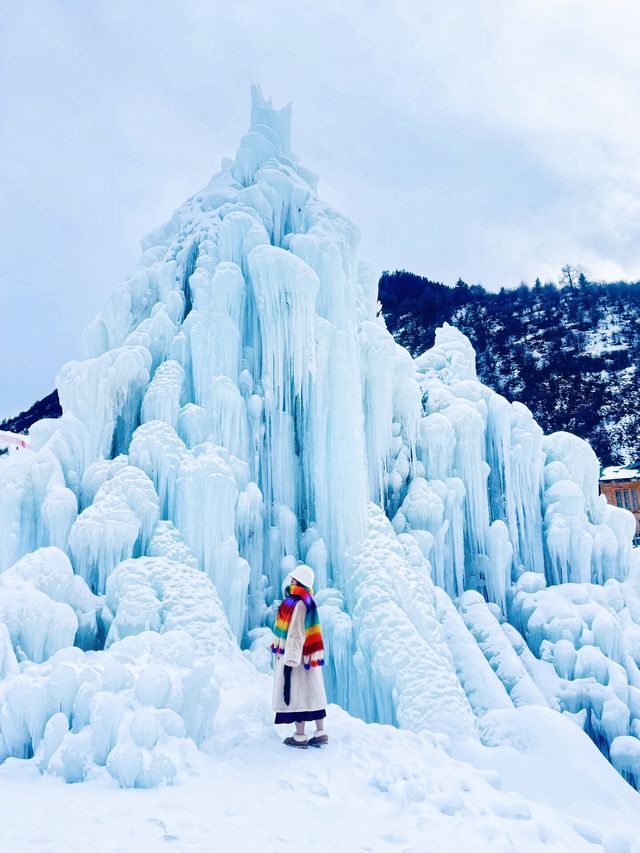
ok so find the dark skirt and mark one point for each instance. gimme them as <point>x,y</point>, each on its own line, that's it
<point>298,716</point>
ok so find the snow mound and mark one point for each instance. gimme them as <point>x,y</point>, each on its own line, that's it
<point>587,639</point>
<point>132,709</point>
<point>527,746</point>
<point>46,607</point>
<point>160,594</point>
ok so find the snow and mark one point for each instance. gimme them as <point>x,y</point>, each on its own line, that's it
<point>103,534</point>
<point>588,633</point>
<point>243,408</point>
<point>602,339</point>
<point>498,651</point>
<point>399,640</point>
<point>143,685</point>
<point>620,472</point>
<point>162,594</point>
<point>375,787</point>
<point>46,607</point>
<point>162,399</point>
<point>527,746</point>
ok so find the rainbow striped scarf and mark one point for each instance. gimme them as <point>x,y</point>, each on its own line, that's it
<point>313,649</point>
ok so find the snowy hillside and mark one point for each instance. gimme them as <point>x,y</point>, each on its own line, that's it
<point>569,353</point>
<point>241,407</point>
<point>48,407</point>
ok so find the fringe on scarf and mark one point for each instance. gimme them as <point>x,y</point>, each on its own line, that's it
<point>313,649</point>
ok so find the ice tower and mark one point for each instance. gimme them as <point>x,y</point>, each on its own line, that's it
<point>242,407</point>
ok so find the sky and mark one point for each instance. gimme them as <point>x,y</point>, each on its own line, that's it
<point>493,140</point>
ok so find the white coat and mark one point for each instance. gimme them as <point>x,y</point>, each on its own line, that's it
<point>307,685</point>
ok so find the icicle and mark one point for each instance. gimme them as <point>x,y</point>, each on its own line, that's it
<point>377,347</point>
<point>164,395</point>
<point>498,573</point>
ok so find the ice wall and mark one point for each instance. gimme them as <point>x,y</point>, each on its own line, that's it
<point>243,407</point>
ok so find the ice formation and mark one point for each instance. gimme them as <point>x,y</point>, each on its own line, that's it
<point>242,406</point>
<point>134,708</point>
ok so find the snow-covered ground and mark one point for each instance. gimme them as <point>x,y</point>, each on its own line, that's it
<point>375,788</point>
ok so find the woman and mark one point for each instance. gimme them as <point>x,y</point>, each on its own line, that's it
<point>298,690</point>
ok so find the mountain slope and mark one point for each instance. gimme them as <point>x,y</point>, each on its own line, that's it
<point>48,407</point>
<point>570,354</point>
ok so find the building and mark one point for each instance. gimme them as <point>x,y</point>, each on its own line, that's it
<point>621,487</point>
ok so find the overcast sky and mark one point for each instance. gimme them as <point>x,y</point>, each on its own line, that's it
<point>485,139</point>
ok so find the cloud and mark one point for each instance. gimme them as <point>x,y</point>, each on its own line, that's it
<point>493,140</point>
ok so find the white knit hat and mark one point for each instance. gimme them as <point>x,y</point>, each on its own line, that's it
<point>285,583</point>
<point>304,575</point>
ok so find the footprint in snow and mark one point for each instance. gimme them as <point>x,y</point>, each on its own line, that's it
<point>166,836</point>
<point>391,838</point>
<point>318,789</point>
<point>415,791</point>
<point>519,811</point>
<point>451,805</point>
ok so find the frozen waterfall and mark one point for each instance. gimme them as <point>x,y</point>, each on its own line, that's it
<point>241,407</point>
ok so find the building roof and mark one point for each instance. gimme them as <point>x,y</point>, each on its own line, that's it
<point>620,472</point>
